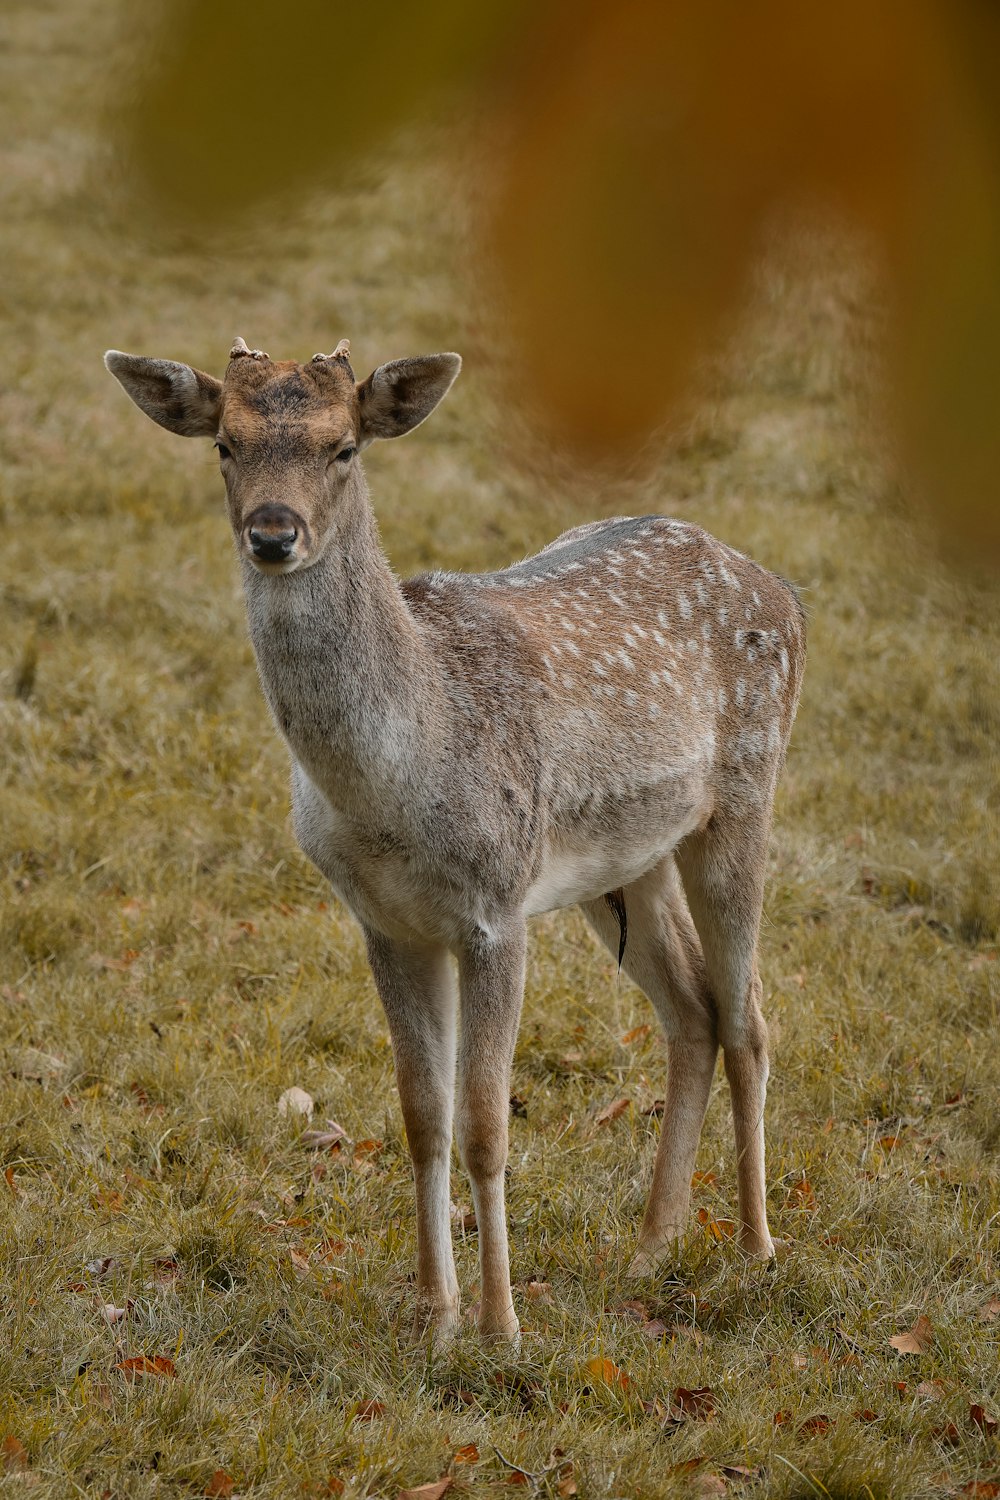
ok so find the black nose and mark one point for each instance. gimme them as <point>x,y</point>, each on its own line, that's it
<point>270,544</point>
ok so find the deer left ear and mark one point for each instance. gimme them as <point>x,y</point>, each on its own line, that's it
<point>181,399</point>
<point>398,396</point>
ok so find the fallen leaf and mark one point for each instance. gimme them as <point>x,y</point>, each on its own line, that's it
<point>432,1491</point>
<point>566,1481</point>
<point>538,1291</point>
<point>889,1142</point>
<point>300,1260</point>
<point>981,1489</point>
<point>948,1435</point>
<point>636,1034</point>
<point>781,1417</point>
<point>113,1314</point>
<point>367,1153</point>
<point>716,1229</point>
<point>368,1411</point>
<point>703,1179</point>
<point>220,1486</point>
<point>917,1340</point>
<point>708,1484</point>
<point>654,1111</point>
<point>467,1455</point>
<point>463,1217</point>
<point>9,1179</point>
<point>931,1390</point>
<point>606,1372</point>
<point>636,1312</point>
<point>141,1366</point>
<point>296,1101</point>
<point>741,1473</point>
<point>814,1426</point>
<point>983,1420</point>
<point>801,1196</point>
<point>698,1404</point>
<point>324,1140</point>
<point>866,1416</point>
<point>989,1310</point>
<point>13,1454</point>
<point>612,1111</point>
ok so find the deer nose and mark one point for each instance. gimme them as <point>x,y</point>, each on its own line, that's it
<point>271,533</point>
<point>271,545</point>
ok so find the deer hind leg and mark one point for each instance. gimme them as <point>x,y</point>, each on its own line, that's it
<point>418,993</point>
<point>663,956</point>
<point>722,868</point>
<point>491,976</point>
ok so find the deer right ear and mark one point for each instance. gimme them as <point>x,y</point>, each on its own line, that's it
<point>181,399</point>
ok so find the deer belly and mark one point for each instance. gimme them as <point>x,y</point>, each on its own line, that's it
<point>571,875</point>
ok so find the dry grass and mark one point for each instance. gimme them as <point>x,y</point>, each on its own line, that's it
<point>170,964</point>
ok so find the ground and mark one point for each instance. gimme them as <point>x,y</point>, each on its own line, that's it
<point>170,964</point>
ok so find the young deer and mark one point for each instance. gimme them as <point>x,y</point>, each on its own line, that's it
<point>602,724</point>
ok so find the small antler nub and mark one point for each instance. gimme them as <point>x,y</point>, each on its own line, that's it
<point>241,351</point>
<point>342,351</point>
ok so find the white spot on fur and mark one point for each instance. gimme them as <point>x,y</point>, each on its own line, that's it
<point>631,698</point>
<point>701,591</point>
<point>596,667</point>
<point>625,660</point>
<point>684,605</point>
<point>741,691</point>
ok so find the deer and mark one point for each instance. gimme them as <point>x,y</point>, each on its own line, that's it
<point>600,725</point>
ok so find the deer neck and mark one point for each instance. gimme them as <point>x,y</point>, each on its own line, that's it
<point>346,672</point>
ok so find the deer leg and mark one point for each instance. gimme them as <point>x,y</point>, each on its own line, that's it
<point>417,990</point>
<point>723,873</point>
<point>491,975</point>
<point>663,956</point>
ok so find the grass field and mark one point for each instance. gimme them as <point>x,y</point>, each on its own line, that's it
<point>170,964</point>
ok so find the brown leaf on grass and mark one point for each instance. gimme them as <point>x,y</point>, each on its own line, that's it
<point>801,1196</point>
<point>220,1486</point>
<point>702,1179</point>
<point>367,1153</point>
<point>108,1199</point>
<point>538,1291</point>
<point>917,1340</point>
<point>13,1454</point>
<point>8,1178</point>
<point>469,1454</point>
<point>635,1311</point>
<point>696,1405</point>
<point>815,1426</point>
<point>866,1416</point>
<point>983,1420</point>
<point>947,1435</point>
<point>368,1411</point>
<point>463,1217</point>
<point>781,1417</point>
<point>300,1260</point>
<point>636,1034</point>
<point>742,1473</point>
<point>566,1481</point>
<point>119,965</point>
<point>931,1390</point>
<point>989,1310</point>
<point>606,1372</point>
<point>142,1367</point>
<point>981,1489</point>
<point>612,1111</point>
<point>888,1143</point>
<point>324,1140</point>
<point>654,1111</point>
<point>708,1483</point>
<point>716,1229</point>
<point>432,1491</point>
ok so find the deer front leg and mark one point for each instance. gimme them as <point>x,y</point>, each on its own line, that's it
<point>491,974</point>
<point>417,988</point>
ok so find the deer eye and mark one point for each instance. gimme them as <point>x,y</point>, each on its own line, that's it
<point>345,455</point>
<point>223,451</point>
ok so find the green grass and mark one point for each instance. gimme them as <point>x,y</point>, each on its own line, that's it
<point>170,963</point>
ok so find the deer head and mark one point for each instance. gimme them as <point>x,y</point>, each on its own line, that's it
<point>288,434</point>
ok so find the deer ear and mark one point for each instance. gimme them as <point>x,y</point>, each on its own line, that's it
<point>181,399</point>
<point>397,397</point>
